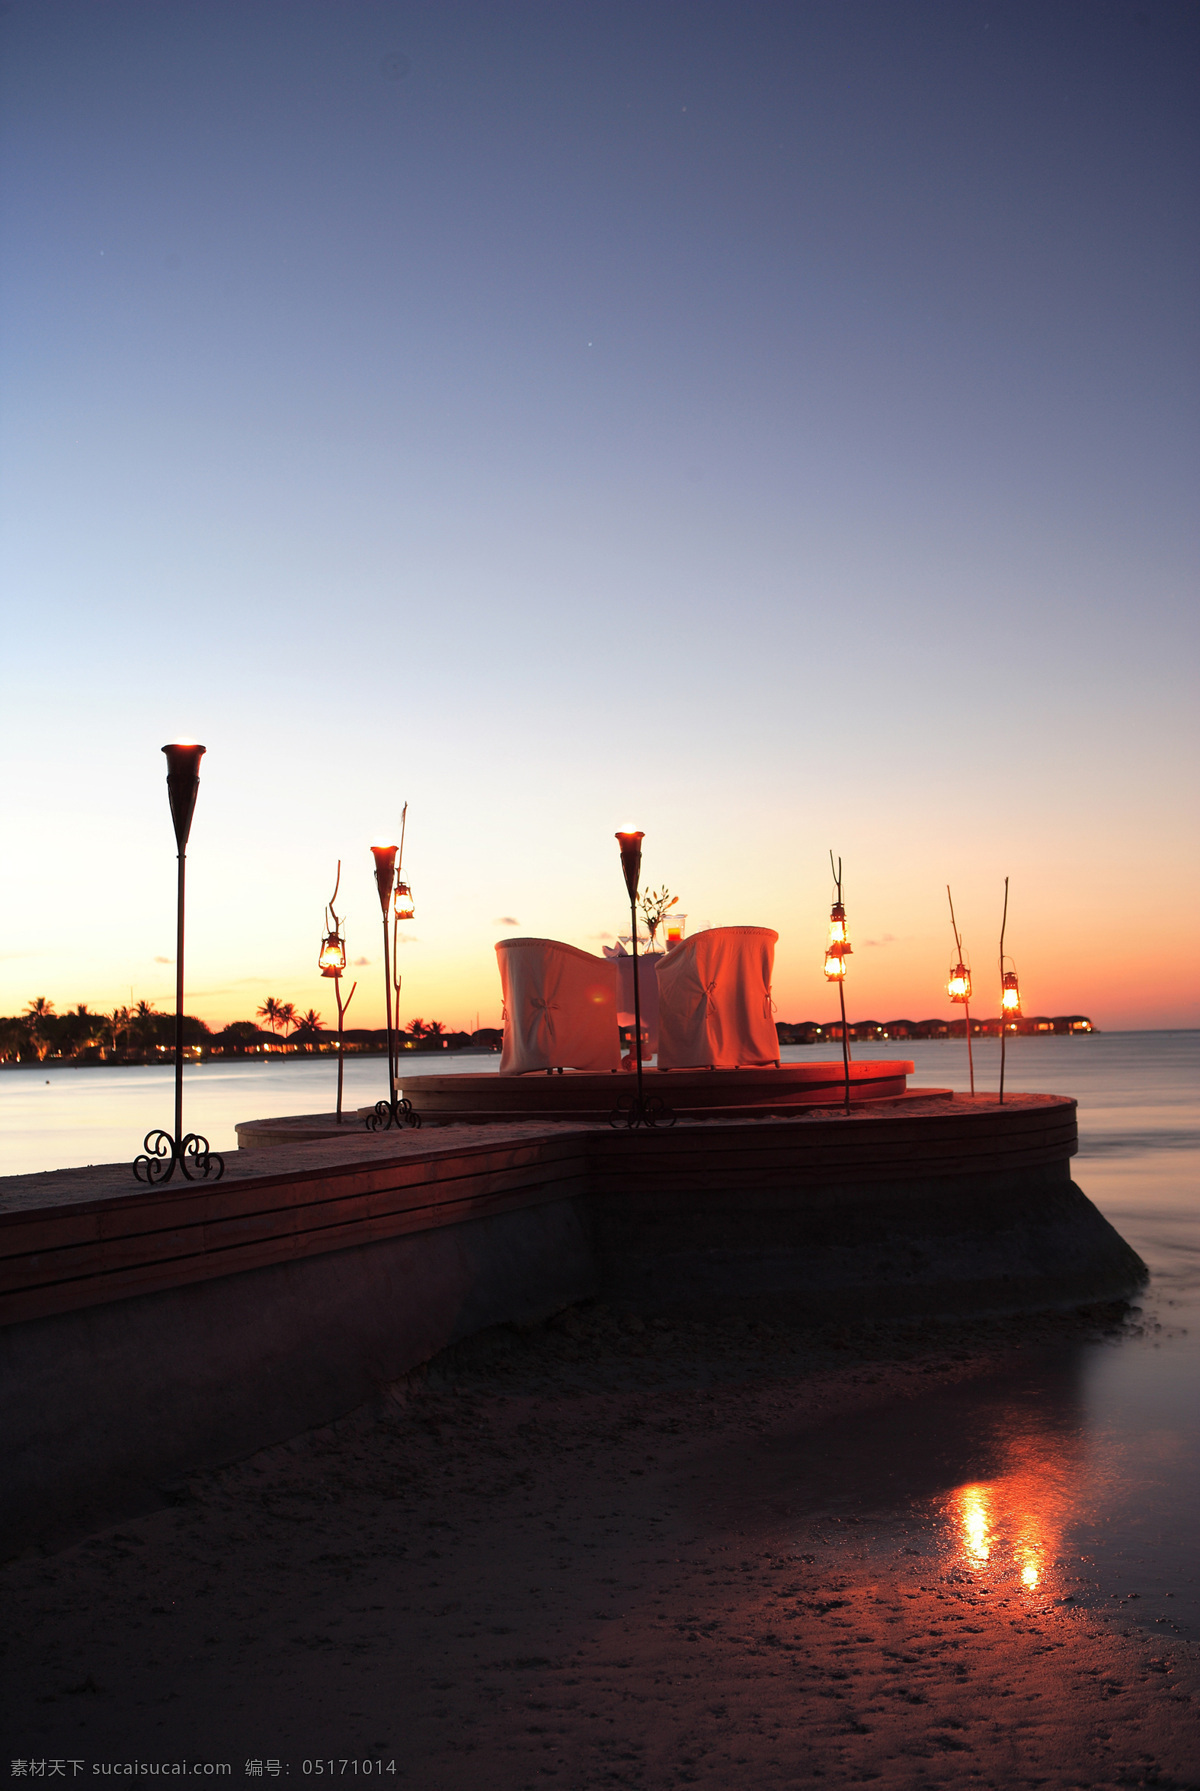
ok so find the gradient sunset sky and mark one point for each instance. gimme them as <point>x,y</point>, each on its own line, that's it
<point>770,426</point>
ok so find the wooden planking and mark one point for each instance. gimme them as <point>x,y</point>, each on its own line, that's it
<point>306,1202</point>
<point>773,1153</point>
<point>922,1128</point>
<point>832,1172</point>
<point>153,1210</point>
<point>748,1185</point>
<point>428,1204</point>
<point>153,1277</point>
<point>781,1155</point>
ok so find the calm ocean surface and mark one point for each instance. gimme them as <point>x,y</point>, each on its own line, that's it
<point>1073,1478</point>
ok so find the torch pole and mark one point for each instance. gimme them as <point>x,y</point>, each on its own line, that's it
<point>970,1058</point>
<point>1003,1027</point>
<point>179,997</point>
<point>163,1153</point>
<point>635,1109</point>
<point>387,995</point>
<point>395,1111</point>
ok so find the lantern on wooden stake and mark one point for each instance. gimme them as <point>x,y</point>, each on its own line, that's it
<point>959,988</point>
<point>1010,996</point>
<point>332,960</point>
<point>403,901</point>
<point>837,949</point>
<point>332,963</point>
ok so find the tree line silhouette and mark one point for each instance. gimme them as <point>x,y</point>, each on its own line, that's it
<point>140,1033</point>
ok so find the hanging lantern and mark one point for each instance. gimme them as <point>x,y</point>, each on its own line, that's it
<point>333,955</point>
<point>835,967</point>
<point>403,902</point>
<point>1010,996</point>
<point>839,947</point>
<point>839,939</point>
<point>959,986</point>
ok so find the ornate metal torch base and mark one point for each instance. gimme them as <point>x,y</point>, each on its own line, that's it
<point>189,1154</point>
<point>640,1110</point>
<point>392,1113</point>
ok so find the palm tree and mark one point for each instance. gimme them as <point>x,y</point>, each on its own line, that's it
<point>85,1028</point>
<point>37,1012</point>
<point>417,1029</point>
<point>287,1016</point>
<point>311,1022</point>
<point>144,1024</point>
<point>117,1024</point>
<point>434,1029</point>
<point>272,1012</point>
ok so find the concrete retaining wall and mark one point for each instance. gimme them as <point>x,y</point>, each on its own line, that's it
<point>101,1408</point>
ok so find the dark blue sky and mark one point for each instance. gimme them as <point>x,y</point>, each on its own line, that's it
<point>782,410</point>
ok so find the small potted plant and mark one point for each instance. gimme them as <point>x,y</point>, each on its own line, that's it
<point>654,905</point>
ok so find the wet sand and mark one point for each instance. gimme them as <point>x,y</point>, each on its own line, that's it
<point>585,1555</point>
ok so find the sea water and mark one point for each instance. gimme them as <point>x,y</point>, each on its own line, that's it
<point>1071,1477</point>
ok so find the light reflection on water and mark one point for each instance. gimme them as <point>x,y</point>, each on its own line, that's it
<point>1011,1532</point>
<point>1093,1499</point>
<point>1012,1527</point>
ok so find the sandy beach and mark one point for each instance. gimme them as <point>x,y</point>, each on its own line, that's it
<point>577,1555</point>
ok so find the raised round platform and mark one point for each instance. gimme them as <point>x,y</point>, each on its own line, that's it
<point>484,1099</point>
<point>691,1094</point>
<point>926,1202</point>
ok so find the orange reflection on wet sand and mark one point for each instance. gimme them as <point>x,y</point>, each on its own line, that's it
<point>1013,1525</point>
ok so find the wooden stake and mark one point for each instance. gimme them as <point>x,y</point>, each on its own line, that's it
<point>966,1004</point>
<point>1003,1027</point>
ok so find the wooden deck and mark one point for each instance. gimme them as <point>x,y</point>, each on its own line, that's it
<point>80,1238</point>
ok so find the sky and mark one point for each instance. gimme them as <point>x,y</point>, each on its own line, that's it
<point>770,426</point>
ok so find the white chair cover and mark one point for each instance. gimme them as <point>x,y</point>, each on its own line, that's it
<point>647,992</point>
<point>714,1000</point>
<point>560,1008</point>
